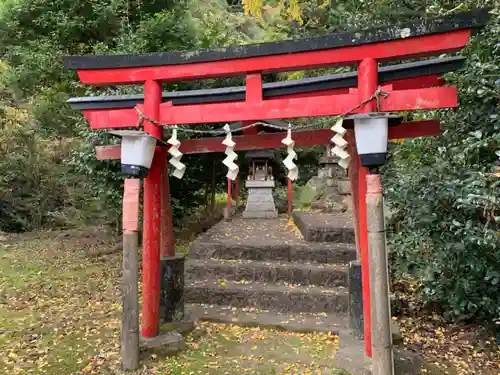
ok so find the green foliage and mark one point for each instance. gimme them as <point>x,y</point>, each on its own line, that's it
<point>36,186</point>
<point>40,182</point>
<point>446,199</point>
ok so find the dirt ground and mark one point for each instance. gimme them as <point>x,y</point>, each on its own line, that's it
<point>60,314</point>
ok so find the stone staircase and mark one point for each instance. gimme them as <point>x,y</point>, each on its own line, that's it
<point>266,267</point>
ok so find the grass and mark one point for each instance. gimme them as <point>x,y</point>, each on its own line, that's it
<point>60,314</point>
<point>56,306</point>
<point>227,349</point>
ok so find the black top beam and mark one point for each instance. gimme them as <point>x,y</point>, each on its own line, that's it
<point>466,20</point>
<point>275,89</point>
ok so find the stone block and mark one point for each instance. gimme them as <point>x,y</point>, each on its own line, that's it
<point>328,206</point>
<point>328,160</point>
<point>355,290</point>
<point>259,184</point>
<point>344,187</point>
<point>261,206</point>
<point>170,342</point>
<point>347,201</point>
<point>260,214</point>
<point>322,173</point>
<point>172,288</point>
<point>260,202</point>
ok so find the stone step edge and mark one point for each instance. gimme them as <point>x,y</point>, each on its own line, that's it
<point>229,285</point>
<point>317,274</point>
<point>284,298</point>
<point>298,322</point>
<point>314,252</point>
<point>282,263</point>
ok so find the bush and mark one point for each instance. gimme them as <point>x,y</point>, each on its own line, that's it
<point>446,197</point>
<point>37,186</point>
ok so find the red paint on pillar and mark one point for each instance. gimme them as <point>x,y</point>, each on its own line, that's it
<point>367,85</point>
<point>152,218</point>
<point>228,212</point>
<point>151,247</point>
<point>365,264</point>
<point>353,179</point>
<point>152,101</point>
<point>290,198</point>
<point>167,228</point>
<point>253,94</point>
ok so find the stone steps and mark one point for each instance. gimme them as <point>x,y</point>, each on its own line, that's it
<point>315,252</point>
<point>251,317</point>
<point>277,297</point>
<point>327,275</point>
<point>267,265</point>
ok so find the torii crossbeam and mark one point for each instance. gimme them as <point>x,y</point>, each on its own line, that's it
<point>365,48</point>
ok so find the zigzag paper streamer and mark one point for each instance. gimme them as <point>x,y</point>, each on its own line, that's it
<point>340,143</point>
<point>293,170</point>
<point>232,167</point>
<point>175,160</point>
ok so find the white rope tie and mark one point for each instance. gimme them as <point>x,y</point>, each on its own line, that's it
<point>232,167</point>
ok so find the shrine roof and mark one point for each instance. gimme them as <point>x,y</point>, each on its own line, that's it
<point>275,89</point>
<point>260,154</point>
<point>465,20</point>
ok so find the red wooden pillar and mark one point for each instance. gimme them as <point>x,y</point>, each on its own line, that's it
<point>353,179</point>
<point>152,217</point>
<point>228,209</point>
<point>367,85</point>
<point>167,228</point>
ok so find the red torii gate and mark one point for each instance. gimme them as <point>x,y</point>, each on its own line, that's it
<point>364,48</point>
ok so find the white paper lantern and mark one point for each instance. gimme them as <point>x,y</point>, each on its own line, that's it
<point>137,151</point>
<point>371,131</point>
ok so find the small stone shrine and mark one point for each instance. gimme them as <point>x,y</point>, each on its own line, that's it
<point>260,184</point>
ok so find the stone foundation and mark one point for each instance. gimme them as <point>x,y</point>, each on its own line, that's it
<point>260,203</point>
<point>329,191</point>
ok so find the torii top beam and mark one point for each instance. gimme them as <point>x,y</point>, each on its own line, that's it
<point>409,75</point>
<point>420,38</point>
<point>118,111</point>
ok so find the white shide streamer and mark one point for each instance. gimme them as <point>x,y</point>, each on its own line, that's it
<point>293,170</point>
<point>340,143</point>
<point>175,160</point>
<point>232,167</point>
